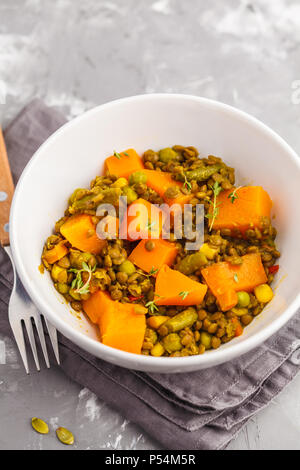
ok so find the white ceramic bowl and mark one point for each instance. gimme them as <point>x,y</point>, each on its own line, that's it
<point>72,157</point>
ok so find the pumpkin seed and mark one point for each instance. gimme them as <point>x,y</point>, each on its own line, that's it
<point>39,426</point>
<point>65,436</point>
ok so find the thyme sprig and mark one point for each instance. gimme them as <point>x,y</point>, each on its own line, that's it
<point>117,155</point>
<point>216,188</point>
<point>78,285</point>
<point>184,294</point>
<point>187,184</point>
<point>151,305</point>
<point>152,272</point>
<point>233,196</point>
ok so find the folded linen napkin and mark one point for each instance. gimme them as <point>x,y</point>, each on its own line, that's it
<point>198,410</point>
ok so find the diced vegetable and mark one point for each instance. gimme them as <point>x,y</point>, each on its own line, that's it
<point>80,231</point>
<point>124,163</point>
<point>120,327</point>
<point>174,288</point>
<point>224,278</point>
<point>59,274</point>
<point>238,329</point>
<point>227,299</point>
<point>161,181</point>
<point>245,210</point>
<point>156,321</point>
<point>274,269</point>
<point>172,342</point>
<point>263,293</point>
<point>163,252</point>
<point>56,253</point>
<point>120,183</point>
<point>144,220</point>
<point>157,350</point>
<point>208,251</point>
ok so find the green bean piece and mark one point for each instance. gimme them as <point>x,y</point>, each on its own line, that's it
<point>191,263</point>
<point>203,174</point>
<point>200,174</point>
<point>184,319</point>
<point>91,201</point>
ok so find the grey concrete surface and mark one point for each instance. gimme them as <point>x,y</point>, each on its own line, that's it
<point>76,54</point>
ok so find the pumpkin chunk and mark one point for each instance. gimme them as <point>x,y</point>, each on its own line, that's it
<point>225,279</point>
<point>120,327</point>
<point>124,163</point>
<point>242,208</point>
<point>164,252</point>
<point>80,231</point>
<point>56,253</point>
<point>144,221</point>
<point>174,288</point>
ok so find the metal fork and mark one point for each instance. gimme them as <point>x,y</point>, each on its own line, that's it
<point>21,310</point>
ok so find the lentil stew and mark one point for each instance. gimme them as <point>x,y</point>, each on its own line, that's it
<point>153,296</point>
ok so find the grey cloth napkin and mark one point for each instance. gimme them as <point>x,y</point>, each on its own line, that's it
<point>199,410</point>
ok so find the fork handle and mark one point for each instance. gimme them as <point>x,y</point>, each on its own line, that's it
<point>6,192</point>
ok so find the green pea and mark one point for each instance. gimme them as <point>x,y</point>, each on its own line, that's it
<point>243,299</point>
<point>138,177</point>
<point>127,267</point>
<point>167,154</point>
<point>130,194</point>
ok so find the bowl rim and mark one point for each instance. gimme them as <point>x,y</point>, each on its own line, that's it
<point>136,361</point>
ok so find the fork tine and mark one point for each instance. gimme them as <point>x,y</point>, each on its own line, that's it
<point>17,329</point>
<point>31,338</point>
<point>40,331</point>
<point>53,338</point>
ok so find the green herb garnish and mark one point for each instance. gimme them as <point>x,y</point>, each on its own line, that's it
<point>78,285</point>
<point>233,196</point>
<point>152,272</point>
<point>187,183</point>
<point>116,154</point>
<point>150,225</point>
<point>151,305</point>
<point>184,294</point>
<point>235,277</point>
<point>216,188</point>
